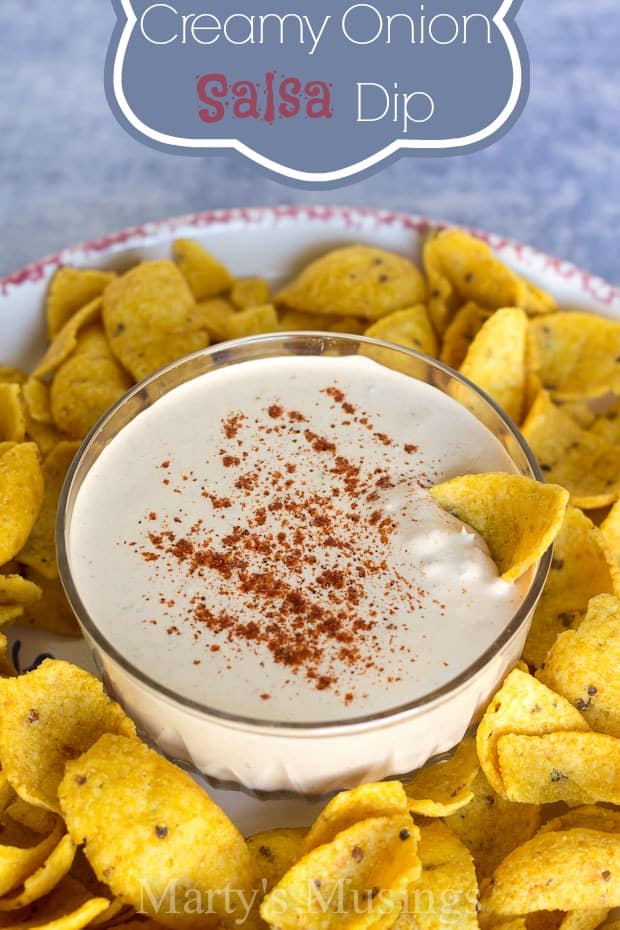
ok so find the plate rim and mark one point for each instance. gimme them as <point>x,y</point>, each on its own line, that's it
<point>590,284</point>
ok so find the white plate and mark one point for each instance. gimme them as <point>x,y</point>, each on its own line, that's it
<point>272,242</point>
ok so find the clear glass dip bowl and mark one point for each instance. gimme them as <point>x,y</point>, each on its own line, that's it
<point>279,757</point>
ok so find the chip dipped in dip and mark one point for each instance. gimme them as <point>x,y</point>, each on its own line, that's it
<point>261,543</point>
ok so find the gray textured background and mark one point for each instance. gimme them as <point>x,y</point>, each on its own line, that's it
<point>68,172</point>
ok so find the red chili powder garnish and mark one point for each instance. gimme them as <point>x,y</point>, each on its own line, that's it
<point>294,563</point>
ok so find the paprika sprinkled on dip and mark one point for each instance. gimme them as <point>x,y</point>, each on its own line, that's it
<point>260,542</point>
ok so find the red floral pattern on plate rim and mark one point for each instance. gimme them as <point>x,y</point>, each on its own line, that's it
<point>595,287</point>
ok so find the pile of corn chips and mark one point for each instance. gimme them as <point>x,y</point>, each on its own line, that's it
<point>520,829</point>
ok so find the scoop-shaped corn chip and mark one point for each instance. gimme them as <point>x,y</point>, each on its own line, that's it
<point>583,665</point>
<point>87,385</point>
<point>516,516</point>
<point>495,361</point>
<point>410,328</point>
<point>357,281</point>
<point>577,768</point>
<point>12,375</point>
<point>610,528</point>
<point>7,670</point>
<point>591,816</point>
<point>146,823</point>
<point>36,396</point>
<point>12,416</point>
<point>46,435</point>
<point>576,354</point>
<point>461,332</point>
<point>252,322</point>
<point>587,465</point>
<point>442,789</point>
<point>273,852</point>
<point>10,614</point>
<point>582,567</point>
<point>206,276</point>
<point>17,590</point>
<point>214,315</point>
<point>149,318</point>
<point>526,706</point>
<point>48,716</point>
<point>377,799</point>
<point>250,292</point>
<point>70,290</point>
<point>358,879</point>
<point>21,496</point>
<point>66,341</point>
<point>566,871</point>
<point>40,550</point>
<point>52,612</point>
<point>23,852</point>
<point>446,894</point>
<point>461,268</point>
<point>69,907</point>
<point>491,827</point>
<point>44,879</point>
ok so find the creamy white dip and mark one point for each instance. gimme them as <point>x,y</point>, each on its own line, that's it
<point>261,540</point>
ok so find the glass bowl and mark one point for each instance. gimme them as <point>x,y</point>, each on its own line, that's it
<point>282,758</point>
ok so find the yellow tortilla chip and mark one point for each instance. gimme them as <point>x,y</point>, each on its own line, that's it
<point>575,355</point>
<point>440,790</point>
<point>7,670</point>
<point>66,341</point>
<point>273,853</point>
<point>44,879</point>
<point>206,276</point>
<point>70,290</point>
<point>12,375</point>
<point>577,768</point>
<point>461,268</point>
<point>52,612</point>
<point>40,550</point>
<point>34,818</point>
<point>149,318</point>
<point>582,567</point>
<point>296,320</point>
<point>252,322</point>
<point>381,799</point>
<point>522,705</point>
<point>367,868</point>
<point>586,465</point>
<point>516,516</point>
<point>349,325</point>
<point>21,496</point>
<point>45,435</point>
<point>250,292</point>
<point>566,871</point>
<point>578,410</point>
<point>23,852</point>
<point>15,590</point>
<point>36,396</point>
<point>446,894</point>
<point>355,281</point>
<point>461,332</point>
<point>593,817</point>
<point>214,315</point>
<point>491,827</point>
<point>607,424</point>
<point>583,665</point>
<point>610,528</point>
<point>495,360</point>
<point>584,920</point>
<point>12,417</point>
<point>69,907</point>
<point>48,716</point>
<point>87,385</point>
<point>146,823</point>
<point>410,328</point>
<point>10,614</point>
